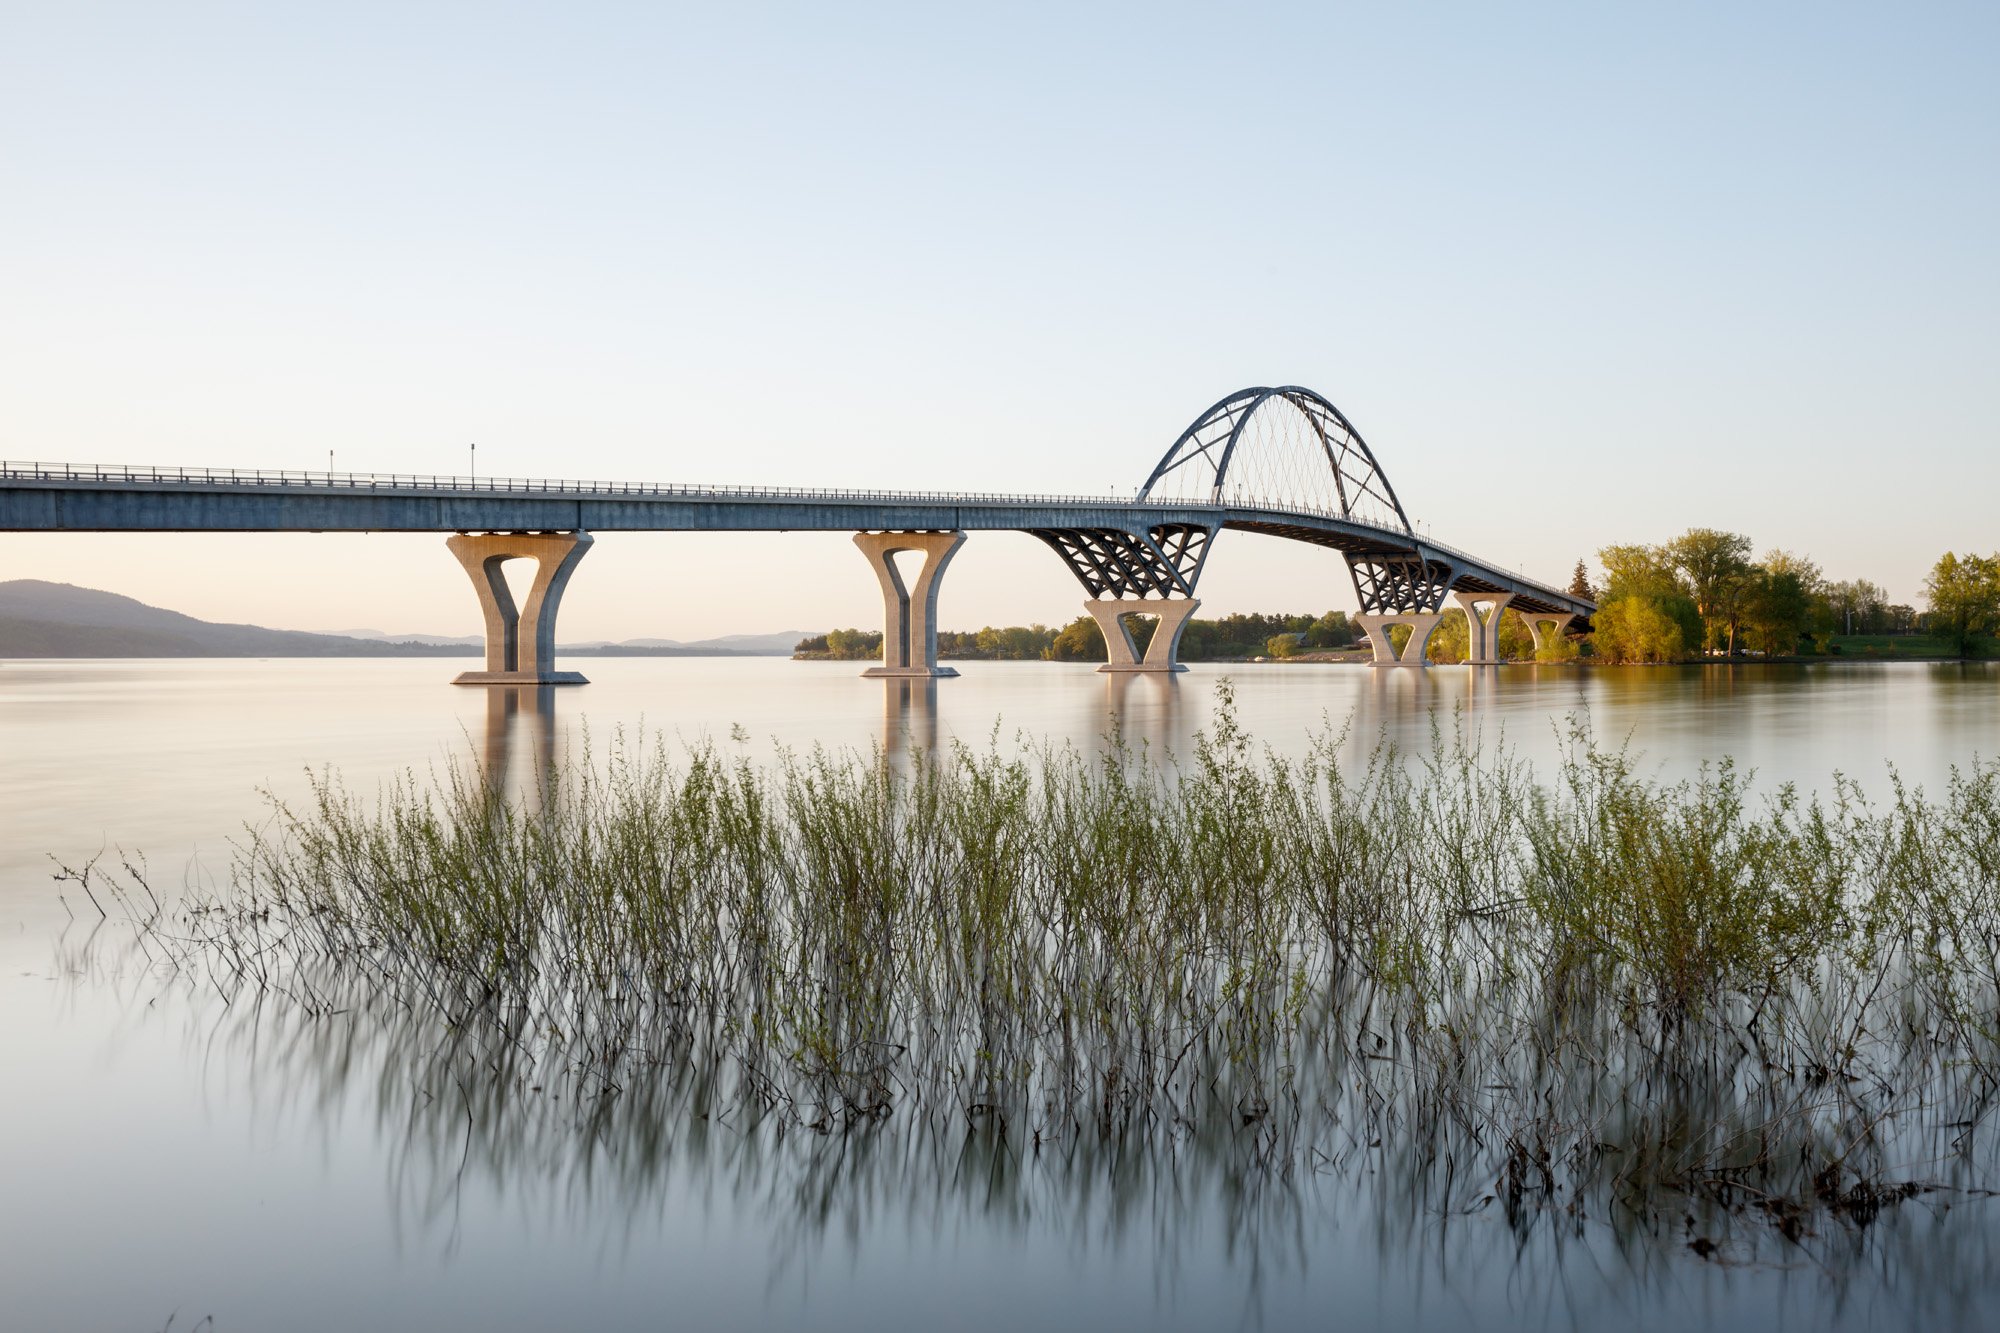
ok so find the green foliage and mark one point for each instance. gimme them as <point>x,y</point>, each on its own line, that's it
<point>1964,593</point>
<point>1451,641</point>
<point>1579,584</point>
<point>1078,641</point>
<point>1555,647</point>
<point>1649,573</point>
<point>1015,643</point>
<point>1713,563</point>
<point>846,645</point>
<point>1779,609</point>
<point>1636,629</point>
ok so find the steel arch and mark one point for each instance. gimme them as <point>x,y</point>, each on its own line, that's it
<point>1215,434</point>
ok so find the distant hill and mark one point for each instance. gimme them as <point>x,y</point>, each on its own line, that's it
<point>42,619</point>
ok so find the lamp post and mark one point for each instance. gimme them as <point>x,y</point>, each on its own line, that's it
<point>472,456</point>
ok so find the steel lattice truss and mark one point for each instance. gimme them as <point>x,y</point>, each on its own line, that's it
<point>1400,584</point>
<point>1279,447</point>
<point>1111,562</point>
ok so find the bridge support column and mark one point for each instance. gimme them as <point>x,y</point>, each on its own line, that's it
<point>1122,651</point>
<point>909,613</point>
<point>1482,642</point>
<point>1542,623</point>
<point>512,656</point>
<point>1422,625</point>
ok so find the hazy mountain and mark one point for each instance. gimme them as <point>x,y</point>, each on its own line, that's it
<point>779,644</point>
<point>460,640</point>
<point>41,619</point>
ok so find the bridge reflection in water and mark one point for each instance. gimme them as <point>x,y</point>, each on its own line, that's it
<point>1283,462</point>
<point>520,741</point>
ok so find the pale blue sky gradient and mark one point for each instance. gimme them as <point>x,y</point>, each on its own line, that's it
<point>1580,273</point>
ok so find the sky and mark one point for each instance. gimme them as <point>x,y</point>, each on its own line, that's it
<point>1581,274</point>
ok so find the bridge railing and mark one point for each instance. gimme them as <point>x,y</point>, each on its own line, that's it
<point>136,474</point>
<point>196,476</point>
<point>319,480</point>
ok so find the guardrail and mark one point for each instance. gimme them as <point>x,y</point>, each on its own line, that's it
<point>96,472</point>
<point>118,473</point>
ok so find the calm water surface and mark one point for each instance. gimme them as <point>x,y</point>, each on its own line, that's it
<point>158,1155</point>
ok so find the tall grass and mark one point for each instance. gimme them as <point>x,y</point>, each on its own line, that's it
<point>1589,994</point>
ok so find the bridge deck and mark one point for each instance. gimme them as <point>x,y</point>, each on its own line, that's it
<point>45,497</point>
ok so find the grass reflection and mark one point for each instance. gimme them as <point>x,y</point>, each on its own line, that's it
<point>1478,1007</point>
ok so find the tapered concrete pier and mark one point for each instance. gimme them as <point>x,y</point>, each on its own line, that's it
<point>909,612</point>
<point>1482,643</point>
<point>515,657</point>
<point>1542,624</point>
<point>1122,650</point>
<point>1422,625</point>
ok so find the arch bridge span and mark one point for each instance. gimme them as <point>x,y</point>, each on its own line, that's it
<point>1283,462</point>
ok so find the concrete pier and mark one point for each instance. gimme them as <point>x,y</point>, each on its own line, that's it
<point>1542,623</point>
<point>1422,626</point>
<point>909,613</point>
<point>1482,643</point>
<point>512,656</point>
<point>1122,651</point>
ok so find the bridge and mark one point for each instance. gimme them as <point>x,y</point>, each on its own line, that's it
<point>1279,461</point>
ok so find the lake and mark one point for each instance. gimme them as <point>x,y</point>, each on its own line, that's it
<point>162,1157</point>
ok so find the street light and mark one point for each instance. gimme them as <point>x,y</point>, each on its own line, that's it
<point>472,453</point>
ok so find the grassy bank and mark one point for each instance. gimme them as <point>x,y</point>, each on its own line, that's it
<point>1584,994</point>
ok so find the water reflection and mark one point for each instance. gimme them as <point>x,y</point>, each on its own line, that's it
<point>468,1127</point>
<point>87,746</point>
<point>520,738</point>
<point>909,716</point>
<point>1146,708</point>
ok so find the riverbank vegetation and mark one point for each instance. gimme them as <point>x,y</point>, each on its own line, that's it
<point>1226,638</point>
<point>1702,595</point>
<point>1696,597</point>
<point>1587,997</point>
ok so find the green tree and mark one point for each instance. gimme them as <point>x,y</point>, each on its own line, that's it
<point>1579,584</point>
<point>1516,644</point>
<point>1332,630</point>
<point>1451,641</point>
<point>1716,566</point>
<point>1636,629</point>
<point>1964,593</point>
<point>1077,641</point>
<point>1778,611</point>
<point>1857,607</point>
<point>1640,571</point>
<point>1649,572</point>
<point>1282,645</point>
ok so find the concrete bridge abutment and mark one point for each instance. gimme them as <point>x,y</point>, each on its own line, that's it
<point>1122,650</point>
<point>1482,643</point>
<point>520,641</point>
<point>1422,625</point>
<point>909,612</point>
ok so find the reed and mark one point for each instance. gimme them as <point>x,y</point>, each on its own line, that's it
<point>1585,994</point>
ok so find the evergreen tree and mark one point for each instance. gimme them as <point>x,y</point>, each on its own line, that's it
<point>1579,584</point>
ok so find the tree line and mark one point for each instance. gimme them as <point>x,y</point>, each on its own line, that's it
<point>1698,595</point>
<point>1702,594</point>
<point>1233,636</point>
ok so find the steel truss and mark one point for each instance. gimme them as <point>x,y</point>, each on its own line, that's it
<point>1388,585</point>
<point>1164,561</point>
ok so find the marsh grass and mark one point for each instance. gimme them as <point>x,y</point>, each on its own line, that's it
<point>1590,995</point>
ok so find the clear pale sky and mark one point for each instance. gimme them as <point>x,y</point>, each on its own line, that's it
<point>1580,273</point>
